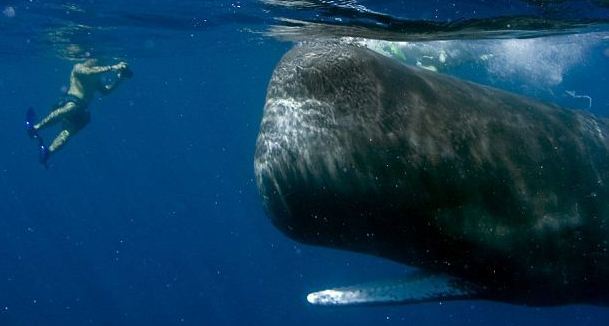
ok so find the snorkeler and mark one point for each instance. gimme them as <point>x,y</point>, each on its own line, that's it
<point>71,110</point>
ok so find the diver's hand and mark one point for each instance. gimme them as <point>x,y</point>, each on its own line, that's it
<point>123,71</point>
<point>120,66</point>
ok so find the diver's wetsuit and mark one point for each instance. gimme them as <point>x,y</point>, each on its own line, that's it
<point>72,112</point>
<point>77,116</point>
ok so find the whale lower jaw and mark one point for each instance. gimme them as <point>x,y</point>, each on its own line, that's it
<point>417,288</point>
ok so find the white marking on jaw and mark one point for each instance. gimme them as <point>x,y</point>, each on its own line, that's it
<point>333,297</point>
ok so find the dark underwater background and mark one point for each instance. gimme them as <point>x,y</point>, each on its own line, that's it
<point>151,216</point>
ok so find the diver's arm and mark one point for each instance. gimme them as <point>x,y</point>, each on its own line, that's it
<point>82,69</point>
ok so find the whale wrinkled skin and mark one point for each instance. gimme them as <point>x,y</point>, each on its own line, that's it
<point>359,152</point>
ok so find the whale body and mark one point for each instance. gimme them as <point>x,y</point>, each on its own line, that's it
<point>490,194</point>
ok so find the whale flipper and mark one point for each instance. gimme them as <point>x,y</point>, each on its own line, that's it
<point>417,288</point>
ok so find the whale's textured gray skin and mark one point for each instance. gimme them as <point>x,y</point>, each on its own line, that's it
<point>359,152</point>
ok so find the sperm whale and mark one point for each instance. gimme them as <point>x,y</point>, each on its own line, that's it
<point>490,194</point>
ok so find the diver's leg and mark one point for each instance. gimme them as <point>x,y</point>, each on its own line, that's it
<point>55,115</point>
<point>60,140</point>
<point>71,126</point>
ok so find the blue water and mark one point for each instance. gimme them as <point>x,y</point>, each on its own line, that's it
<point>151,216</point>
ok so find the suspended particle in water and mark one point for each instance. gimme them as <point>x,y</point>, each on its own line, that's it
<point>149,44</point>
<point>9,12</point>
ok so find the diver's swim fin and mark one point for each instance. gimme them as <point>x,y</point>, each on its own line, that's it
<point>30,117</point>
<point>44,155</point>
<point>43,150</point>
<point>417,288</point>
